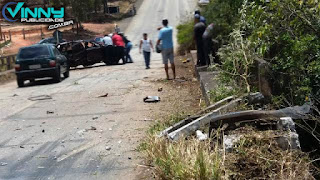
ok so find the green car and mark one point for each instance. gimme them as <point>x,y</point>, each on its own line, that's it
<point>40,61</point>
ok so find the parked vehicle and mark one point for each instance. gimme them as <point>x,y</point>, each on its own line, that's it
<point>98,40</point>
<point>40,61</point>
<point>50,40</point>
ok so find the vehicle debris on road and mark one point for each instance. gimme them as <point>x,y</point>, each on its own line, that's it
<point>106,95</point>
<point>50,112</point>
<point>3,164</point>
<point>151,99</point>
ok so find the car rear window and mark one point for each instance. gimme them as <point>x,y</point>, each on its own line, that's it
<point>34,52</point>
<point>99,39</point>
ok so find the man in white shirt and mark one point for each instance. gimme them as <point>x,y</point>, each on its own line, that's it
<point>107,41</point>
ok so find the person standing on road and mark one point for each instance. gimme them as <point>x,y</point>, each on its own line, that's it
<point>107,41</point>
<point>116,29</point>
<point>128,47</point>
<point>165,37</point>
<point>118,41</point>
<point>146,46</point>
<point>199,29</point>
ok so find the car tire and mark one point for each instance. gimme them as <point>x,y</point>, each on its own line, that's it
<point>20,82</point>
<point>57,76</point>
<point>66,74</point>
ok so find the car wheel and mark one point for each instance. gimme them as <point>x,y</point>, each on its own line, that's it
<point>66,74</point>
<point>57,76</point>
<point>20,82</point>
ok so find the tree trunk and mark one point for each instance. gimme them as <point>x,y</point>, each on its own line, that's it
<point>105,6</point>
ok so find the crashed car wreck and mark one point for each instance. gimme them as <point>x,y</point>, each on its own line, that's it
<point>88,53</point>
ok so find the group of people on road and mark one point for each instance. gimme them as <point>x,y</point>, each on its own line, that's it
<point>120,40</point>
<point>164,46</point>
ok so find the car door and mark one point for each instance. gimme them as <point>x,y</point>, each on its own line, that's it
<point>62,60</point>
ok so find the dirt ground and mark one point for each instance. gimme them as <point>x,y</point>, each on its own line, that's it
<point>181,96</point>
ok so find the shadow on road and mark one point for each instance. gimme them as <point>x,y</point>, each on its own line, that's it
<point>41,82</point>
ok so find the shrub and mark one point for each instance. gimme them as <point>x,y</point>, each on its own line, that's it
<point>185,36</point>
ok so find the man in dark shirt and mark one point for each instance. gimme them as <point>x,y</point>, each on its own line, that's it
<point>199,29</point>
<point>202,19</point>
<point>207,43</point>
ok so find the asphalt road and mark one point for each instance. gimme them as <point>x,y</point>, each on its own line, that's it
<point>76,134</point>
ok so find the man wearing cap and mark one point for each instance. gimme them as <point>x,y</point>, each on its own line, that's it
<point>202,19</point>
<point>199,29</point>
<point>165,37</point>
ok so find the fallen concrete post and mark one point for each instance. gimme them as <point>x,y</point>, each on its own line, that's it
<point>297,112</point>
<point>196,124</point>
<point>217,104</point>
<point>192,118</point>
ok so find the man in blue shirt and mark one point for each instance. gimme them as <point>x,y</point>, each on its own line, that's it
<point>202,19</point>
<point>165,37</point>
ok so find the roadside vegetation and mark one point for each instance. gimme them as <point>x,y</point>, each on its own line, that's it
<point>2,45</point>
<point>284,34</point>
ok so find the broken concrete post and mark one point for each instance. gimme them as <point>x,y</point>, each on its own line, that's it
<point>202,121</point>
<point>289,141</point>
<point>286,124</point>
<point>216,120</point>
<point>217,104</point>
<point>192,118</point>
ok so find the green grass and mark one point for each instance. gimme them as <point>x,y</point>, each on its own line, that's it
<point>4,44</point>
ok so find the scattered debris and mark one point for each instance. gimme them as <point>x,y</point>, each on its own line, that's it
<point>91,129</point>
<point>95,117</point>
<point>50,112</point>
<point>229,141</point>
<point>110,129</point>
<point>15,95</point>
<point>180,80</point>
<point>40,98</point>
<point>108,148</point>
<point>41,167</point>
<point>160,89</point>
<point>22,147</point>
<point>3,164</point>
<point>102,96</point>
<point>18,129</point>
<point>151,99</point>
<point>201,136</point>
<point>129,158</point>
<point>43,131</point>
<point>186,60</point>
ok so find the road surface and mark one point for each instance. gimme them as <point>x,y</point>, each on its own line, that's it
<point>75,134</point>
